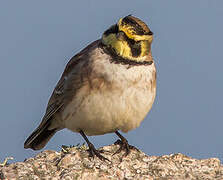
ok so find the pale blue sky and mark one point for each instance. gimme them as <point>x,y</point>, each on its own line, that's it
<point>37,38</point>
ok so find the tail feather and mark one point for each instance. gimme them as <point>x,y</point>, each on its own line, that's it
<point>38,139</point>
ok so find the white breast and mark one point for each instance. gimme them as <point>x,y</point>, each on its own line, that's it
<point>117,98</point>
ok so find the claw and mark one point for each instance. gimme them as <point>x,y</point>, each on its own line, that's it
<point>92,150</point>
<point>124,145</point>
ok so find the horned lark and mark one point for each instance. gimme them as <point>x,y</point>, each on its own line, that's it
<point>108,86</point>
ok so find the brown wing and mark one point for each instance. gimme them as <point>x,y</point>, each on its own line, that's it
<point>70,81</point>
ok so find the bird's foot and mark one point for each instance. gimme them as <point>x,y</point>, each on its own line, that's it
<point>94,152</point>
<point>124,145</point>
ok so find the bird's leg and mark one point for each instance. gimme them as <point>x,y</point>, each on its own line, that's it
<point>92,150</point>
<point>124,145</point>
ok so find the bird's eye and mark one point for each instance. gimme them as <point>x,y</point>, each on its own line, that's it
<point>120,35</point>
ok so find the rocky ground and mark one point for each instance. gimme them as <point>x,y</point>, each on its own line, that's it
<point>74,163</point>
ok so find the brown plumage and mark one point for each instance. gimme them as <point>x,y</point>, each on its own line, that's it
<point>100,91</point>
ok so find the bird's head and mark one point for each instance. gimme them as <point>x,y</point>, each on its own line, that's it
<point>130,38</point>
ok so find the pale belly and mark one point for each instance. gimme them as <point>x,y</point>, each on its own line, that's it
<point>98,113</point>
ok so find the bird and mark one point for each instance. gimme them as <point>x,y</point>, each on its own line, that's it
<point>107,87</point>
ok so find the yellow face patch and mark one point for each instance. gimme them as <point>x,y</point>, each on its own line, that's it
<point>130,32</point>
<point>123,49</point>
<point>130,38</point>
